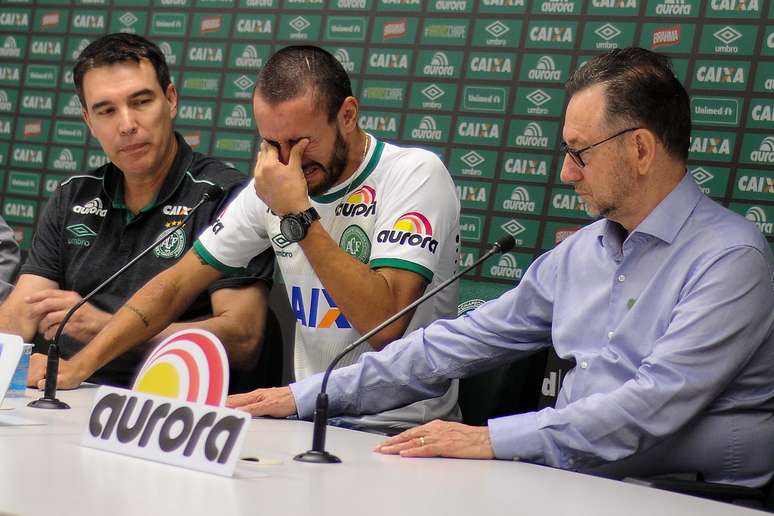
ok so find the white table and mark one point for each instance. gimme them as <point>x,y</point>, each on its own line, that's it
<point>44,470</point>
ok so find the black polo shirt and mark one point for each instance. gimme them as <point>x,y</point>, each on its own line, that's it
<point>86,233</point>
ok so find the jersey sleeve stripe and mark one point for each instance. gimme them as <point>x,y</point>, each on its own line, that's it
<point>395,263</point>
<point>202,252</point>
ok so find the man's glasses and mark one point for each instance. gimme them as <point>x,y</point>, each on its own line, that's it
<point>576,154</point>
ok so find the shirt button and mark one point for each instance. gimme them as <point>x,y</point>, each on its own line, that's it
<point>621,278</point>
<point>584,365</point>
<point>610,334</point>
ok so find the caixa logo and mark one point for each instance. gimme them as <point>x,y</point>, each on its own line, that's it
<point>412,229</point>
<point>316,316</point>
<point>93,207</point>
<point>360,203</point>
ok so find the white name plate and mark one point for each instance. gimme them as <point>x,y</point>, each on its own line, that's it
<point>190,435</point>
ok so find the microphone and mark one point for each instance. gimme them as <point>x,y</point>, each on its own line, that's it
<point>318,454</point>
<point>49,400</point>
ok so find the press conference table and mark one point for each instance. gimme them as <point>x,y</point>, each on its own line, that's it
<point>44,470</point>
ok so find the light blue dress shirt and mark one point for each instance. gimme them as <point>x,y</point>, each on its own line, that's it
<point>671,329</point>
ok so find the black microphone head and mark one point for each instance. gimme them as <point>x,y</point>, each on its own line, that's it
<point>505,243</point>
<point>214,192</point>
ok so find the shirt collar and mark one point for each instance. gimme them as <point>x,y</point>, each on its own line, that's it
<point>113,180</point>
<point>666,220</point>
<point>368,165</point>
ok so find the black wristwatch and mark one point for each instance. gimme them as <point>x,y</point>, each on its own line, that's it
<point>294,226</point>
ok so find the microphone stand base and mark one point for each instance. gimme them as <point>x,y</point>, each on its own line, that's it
<point>48,403</point>
<point>318,457</point>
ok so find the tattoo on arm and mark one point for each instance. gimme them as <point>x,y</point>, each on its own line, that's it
<point>139,314</point>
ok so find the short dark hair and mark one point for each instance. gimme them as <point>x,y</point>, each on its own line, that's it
<point>294,70</point>
<point>642,90</point>
<point>118,48</point>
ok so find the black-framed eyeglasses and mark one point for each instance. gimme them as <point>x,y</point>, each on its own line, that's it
<point>576,154</point>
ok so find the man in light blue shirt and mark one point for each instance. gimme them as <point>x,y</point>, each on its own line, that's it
<point>666,305</point>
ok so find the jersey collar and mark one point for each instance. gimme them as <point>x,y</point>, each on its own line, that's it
<point>113,184</point>
<point>358,177</point>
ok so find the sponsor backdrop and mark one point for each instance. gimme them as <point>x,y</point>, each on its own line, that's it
<point>478,82</point>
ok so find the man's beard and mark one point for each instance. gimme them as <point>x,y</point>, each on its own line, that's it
<point>621,192</point>
<point>332,172</point>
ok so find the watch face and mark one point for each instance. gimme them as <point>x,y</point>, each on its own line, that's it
<point>292,229</point>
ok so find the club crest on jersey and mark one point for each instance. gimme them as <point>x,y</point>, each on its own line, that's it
<point>172,247</point>
<point>411,228</point>
<point>317,316</point>
<point>360,203</point>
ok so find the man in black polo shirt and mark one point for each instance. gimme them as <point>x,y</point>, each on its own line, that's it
<point>95,223</point>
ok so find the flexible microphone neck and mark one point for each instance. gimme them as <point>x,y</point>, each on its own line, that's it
<point>318,453</point>
<point>213,192</point>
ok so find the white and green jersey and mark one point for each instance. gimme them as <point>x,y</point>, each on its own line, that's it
<point>399,209</point>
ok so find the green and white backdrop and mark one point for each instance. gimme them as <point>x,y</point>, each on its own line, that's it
<point>477,81</point>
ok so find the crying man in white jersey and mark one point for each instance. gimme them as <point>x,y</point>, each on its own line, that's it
<point>360,227</point>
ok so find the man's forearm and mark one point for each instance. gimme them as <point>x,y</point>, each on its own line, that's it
<point>243,346</point>
<point>136,322</point>
<point>146,313</point>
